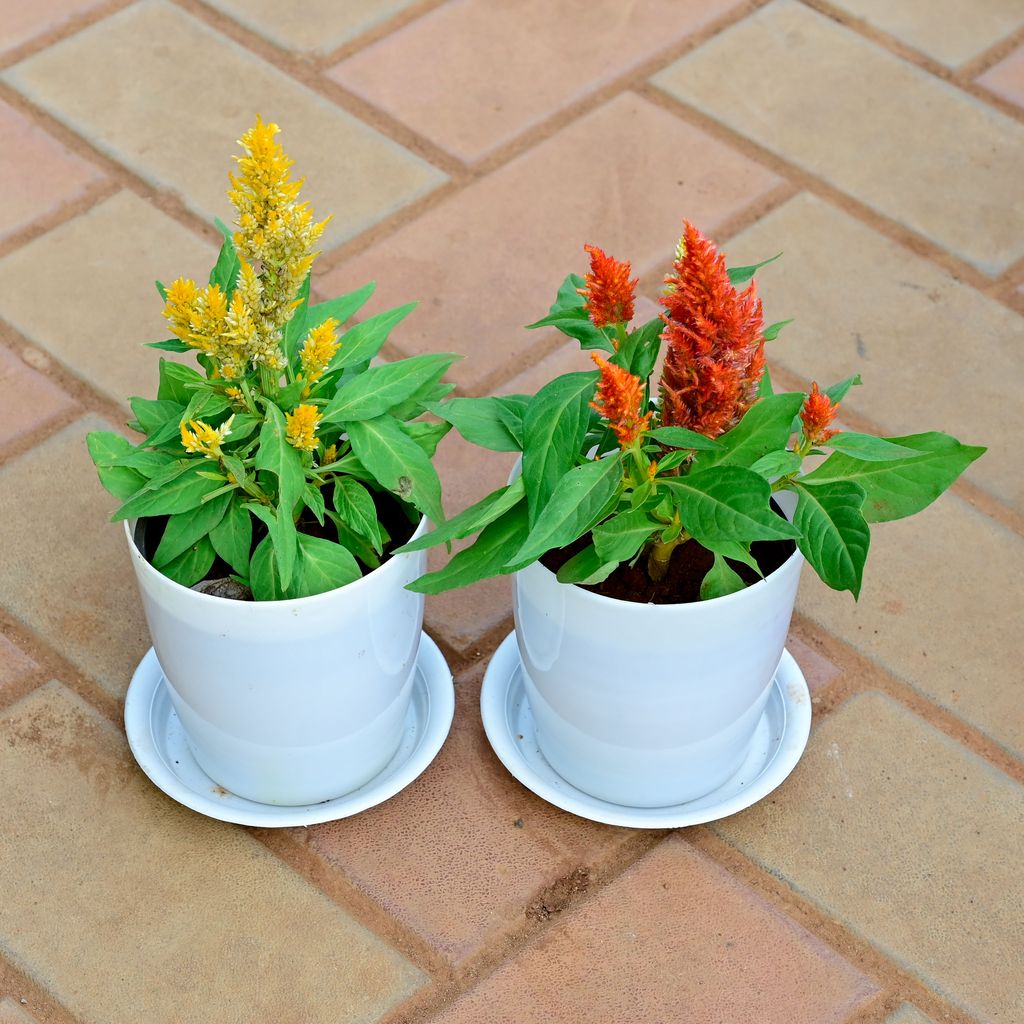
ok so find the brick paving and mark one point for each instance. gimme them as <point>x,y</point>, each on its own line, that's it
<point>467,149</point>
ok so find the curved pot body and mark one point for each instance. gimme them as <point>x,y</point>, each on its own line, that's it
<point>649,705</point>
<point>289,702</point>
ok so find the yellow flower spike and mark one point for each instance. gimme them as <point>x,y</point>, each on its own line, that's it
<point>330,454</point>
<point>202,439</point>
<point>319,349</point>
<point>301,427</point>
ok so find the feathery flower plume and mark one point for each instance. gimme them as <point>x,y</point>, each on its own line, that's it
<point>609,291</point>
<point>319,348</point>
<point>618,399</point>
<point>817,413</point>
<point>202,439</point>
<point>715,351</point>
<point>300,427</point>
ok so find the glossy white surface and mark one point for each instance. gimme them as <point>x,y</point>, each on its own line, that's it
<point>779,738</point>
<point>160,746</point>
<point>289,702</point>
<point>649,705</point>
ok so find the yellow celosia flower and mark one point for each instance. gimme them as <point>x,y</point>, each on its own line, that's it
<point>319,348</point>
<point>301,427</point>
<point>330,454</point>
<point>202,439</point>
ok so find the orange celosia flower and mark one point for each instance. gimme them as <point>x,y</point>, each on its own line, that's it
<point>817,413</point>
<point>618,399</point>
<point>715,352</point>
<point>609,292</point>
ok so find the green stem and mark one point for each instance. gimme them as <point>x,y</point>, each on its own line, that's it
<point>659,555</point>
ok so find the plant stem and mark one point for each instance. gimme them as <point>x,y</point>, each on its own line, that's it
<point>659,555</point>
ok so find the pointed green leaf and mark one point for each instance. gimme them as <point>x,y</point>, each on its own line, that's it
<point>170,345</point>
<point>776,464</point>
<point>764,389</point>
<point>397,462</point>
<point>621,537</point>
<point>265,576</point>
<point>225,270</point>
<point>766,426</point>
<point>741,275</point>
<point>187,528</point>
<point>427,435</point>
<point>364,341</point>
<point>727,503</point>
<point>354,503</point>
<point>868,448</point>
<point>181,494</point>
<point>192,564</point>
<point>720,580</point>
<point>380,388</point>
<point>341,308</point>
<point>771,332</point>
<point>232,537</point>
<point>177,381</point>
<point>487,557</point>
<point>839,391</point>
<point>314,501</point>
<point>284,538</point>
<point>554,426</point>
<point>834,536</point>
<point>586,567</point>
<point>577,503</point>
<point>277,456</point>
<point>680,437</point>
<point>296,327</point>
<point>481,421</point>
<point>324,566</point>
<point>152,414</point>
<point>106,450</point>
<point>639,352</point>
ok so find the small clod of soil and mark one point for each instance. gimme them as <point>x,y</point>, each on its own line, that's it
<point>559,894</point>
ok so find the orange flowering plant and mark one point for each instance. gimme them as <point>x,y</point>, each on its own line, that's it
<point>619,477</point>
<point>285,459</point>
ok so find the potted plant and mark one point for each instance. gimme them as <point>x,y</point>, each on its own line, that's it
<point>264,505</point>
<point>656,539</point>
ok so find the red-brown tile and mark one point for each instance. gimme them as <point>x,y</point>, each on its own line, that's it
<point>472,74</point>
<point>817,669</point>
<point>27,399</point>
<point>1006,79</point>
<point>23,21</point>
<point>462,853</point>
<point>37,174</point>
<point>675,938</point>
<point>490,259</point>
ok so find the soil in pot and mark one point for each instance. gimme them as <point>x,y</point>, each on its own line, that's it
<point>681,585</point>
<point>393,515</point>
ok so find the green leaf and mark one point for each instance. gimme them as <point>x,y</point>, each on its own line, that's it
<point>639,352</point>
<point>181,494</point>
<point>205,404</point>
<point>314,501</point>
<point>161,290</point>
<point>232,537</point>
<point>764,389</point>
<point>296,327</point>
<point>488,556</point>
<point>106,449</point>
<point>720,580</point>
<point>578,501</point>
<point>586,567</point>
<point>741,275</point>
<point>277,456</point>
<point>264,575</point>
<point>225,270</point>
<point>187,528</point>
<point>771,332</point>
<point>381,388</point>
<point>569,315</point>
<point>905,486</point>
<point>839,391</point>
<point>283,536</point>
<point>554,426</point>
<point>481,421</point>
<point>365,340</point>
<point>738,551</point>
<point>621,537</point>
<point>354,503</point>
<point>776,464</point>
<point>834,536</point>
<point>341,308</point>
<point>427,435</point>
<point>151,414</point>
<point>766,427</point>
<point>472,519</point>
<point>397,463</point>
<point>727,503</point>
<point>680,437</point>
<point>192,564</point>
<point>868,448</point>
<point>170,345</point>
<point>175,381</point>
<point>512,409</point>
<point>324,566</point>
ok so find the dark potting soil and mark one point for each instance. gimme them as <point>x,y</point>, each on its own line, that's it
<point>391,514</point>
<point>686,571</point>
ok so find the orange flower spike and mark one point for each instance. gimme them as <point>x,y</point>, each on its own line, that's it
<point>619,397</point>
<point>609,292</point>
<point>817,414</point>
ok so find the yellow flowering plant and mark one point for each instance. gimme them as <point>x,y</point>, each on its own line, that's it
<point>286,461</point>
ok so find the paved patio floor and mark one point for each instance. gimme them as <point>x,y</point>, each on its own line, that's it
<point>468,149</point>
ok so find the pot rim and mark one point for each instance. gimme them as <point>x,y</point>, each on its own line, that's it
<point>147,566</point>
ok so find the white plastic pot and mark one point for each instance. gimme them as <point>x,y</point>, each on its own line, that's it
<point>289,702</point>
<point>650,705</point>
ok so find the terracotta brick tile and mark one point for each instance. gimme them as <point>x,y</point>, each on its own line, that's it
<point>322,25</point>
<point>106,261</point>
<point>471,75</point>
<point>490,258</point>
<point>24,21</point>
<point>902,835</point>
<point>72,580</point>
<point>37,174</point>
<point>818,670</point>
<point>14,664</point>
<point>946,30</point>
<point>12,1012</point>
<point>908,1014</point>
<point>1006,79</point>
<point>899,321</point>
<point>185,142</point>
<point>446,856</point>
<point>28,400</point>
<point>161,908</point>
<point>800,85</point>
<point>673,939</point>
